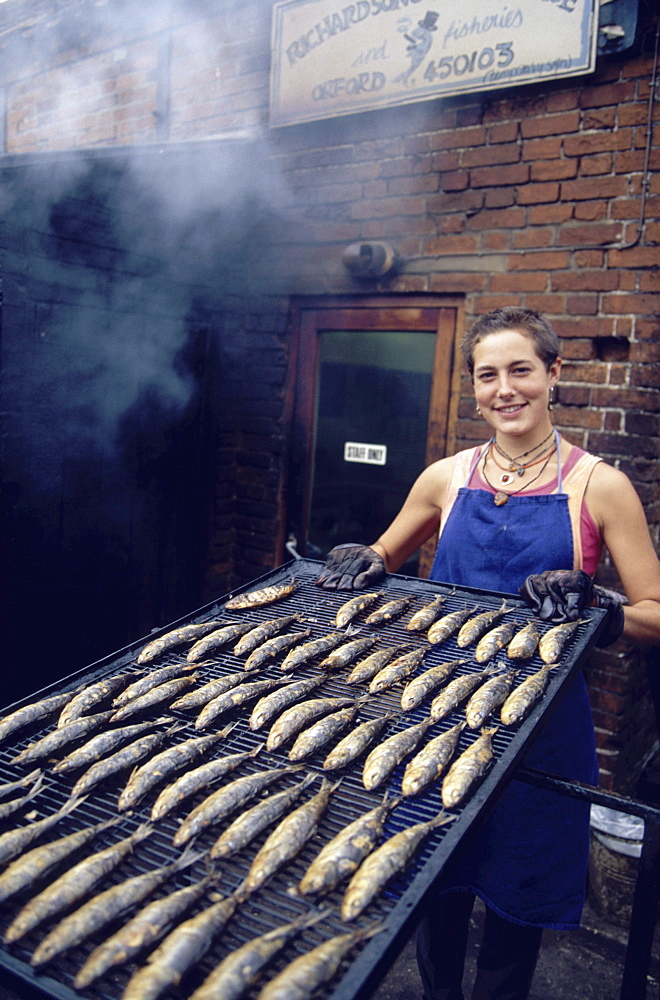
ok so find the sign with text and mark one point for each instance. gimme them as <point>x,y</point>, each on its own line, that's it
<point>368,454</point>
<point>339,57</point>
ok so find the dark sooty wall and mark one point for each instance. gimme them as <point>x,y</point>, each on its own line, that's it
<point>111,380</point>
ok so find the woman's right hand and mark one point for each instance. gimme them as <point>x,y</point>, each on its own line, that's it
<point>351,567</point>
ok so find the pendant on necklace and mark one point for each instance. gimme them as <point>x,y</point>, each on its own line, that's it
<point>500,498</point>
<point>506,479</point>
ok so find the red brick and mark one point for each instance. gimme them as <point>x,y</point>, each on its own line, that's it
<point>582,305</point>
<point>461,201</point>
<point>500,197</point>
<point>638,304</point>
<point>591,166</point>
<point>553,170</point>
<point>532,281</point>
<point>544,261</point>
<point>457,282</point>
<point>533,237</point>
<point>598,97</point>
<point>505,218</point>
<point>459,138</point>
<point>536,194</point>
<point>517,173</point>
<point>560,124</point>
<point>457,180</point>
<point>543,215</point>
<point>503,132</point>
<point>594,187</point>
<point>451,245</point>
<point>541,149</point>
<point>587,144</point>
<point>589,235</point>
<point>490,156</point>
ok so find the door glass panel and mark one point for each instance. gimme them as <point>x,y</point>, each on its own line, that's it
<point>372,405</point>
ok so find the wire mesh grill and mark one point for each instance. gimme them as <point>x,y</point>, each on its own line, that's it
<point>278,902</point>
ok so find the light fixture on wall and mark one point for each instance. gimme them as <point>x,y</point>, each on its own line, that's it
<point>369,260</point>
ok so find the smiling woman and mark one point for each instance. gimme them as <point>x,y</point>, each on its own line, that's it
<point>525,511</point>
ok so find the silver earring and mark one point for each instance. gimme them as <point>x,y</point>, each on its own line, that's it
<point>477,409</point>
<point>551,397</point>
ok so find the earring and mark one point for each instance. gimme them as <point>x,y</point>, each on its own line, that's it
<point>477,409</point>
<point>551,397</point>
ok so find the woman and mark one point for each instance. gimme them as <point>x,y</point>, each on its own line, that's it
<point>525,512</point>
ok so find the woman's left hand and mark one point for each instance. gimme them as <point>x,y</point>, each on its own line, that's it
<point>562,595</point>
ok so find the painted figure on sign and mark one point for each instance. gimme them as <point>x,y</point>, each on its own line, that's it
<point>419,42</point>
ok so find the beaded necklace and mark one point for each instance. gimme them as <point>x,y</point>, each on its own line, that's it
<point>501,496</point>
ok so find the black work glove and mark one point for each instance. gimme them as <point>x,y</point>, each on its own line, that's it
<point>351,567</point>
<point>561,595</point>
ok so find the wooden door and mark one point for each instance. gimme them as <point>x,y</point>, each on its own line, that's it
<point>373,391</point>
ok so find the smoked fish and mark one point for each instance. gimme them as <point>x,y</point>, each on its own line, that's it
<point>523,698</point>
<point>341,856</point>
<point>177,637</point>
<point>303,654</point>
<point>121,759</point>
<point>258,635</point>
<point>251,823</point>
<point>73,885</point>
<point>448,624</point>
<point>181,949</point>
<point>14,842</point>
<point>366,669</point>
<point>352,745</point>
<point>431,761</point>
<point>384,863</point>
<point>90,752</point>
<point>165,692</point>
<point>36,711</point>
<point>552,642</point>
<point>30,866</point>
<point>91,695</point>
<point>288,838</point>
<point>355,606</point>
<point>147,681</point>
<point>387,755</point>
<point>227,800</point>
<point>346,654</point>
<point>467,769</point>
<point>493,641</point>
<point>300,979</point>
<point>234,698</point>
<point>58,738</point>
<point>200,777</point>
<point>425,617</point>
<point>426,683</point>
<point>322,731</point>
<point>297,717</point>
<point>96,913</point>
<point>214,640</point>
<point>265,595</point>
<point>397,670</point>
<point>159,768</point>
<point>388,611</point>
<point>141,931</point>
<point>488,697</point>
<point>273,704</point>
<point>272,648</point>
<point>474,628</point>
<point>241,968</point>
<point>523,644</point>
<point>456,692</point>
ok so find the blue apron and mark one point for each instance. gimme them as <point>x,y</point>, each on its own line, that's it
<point>529,861</point>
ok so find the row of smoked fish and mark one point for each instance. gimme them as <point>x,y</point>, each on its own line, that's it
<point>104,745</point>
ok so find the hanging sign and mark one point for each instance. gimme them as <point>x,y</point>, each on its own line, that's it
<point>338,57</point>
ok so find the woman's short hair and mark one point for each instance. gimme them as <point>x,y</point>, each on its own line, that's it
<point>531,324</point>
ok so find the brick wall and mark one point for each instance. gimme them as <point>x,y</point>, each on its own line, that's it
<point>534,195</point>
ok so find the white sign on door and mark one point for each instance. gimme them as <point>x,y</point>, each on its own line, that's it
<point>368,454</point>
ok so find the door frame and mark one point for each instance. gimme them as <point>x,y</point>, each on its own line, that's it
<point>309,315</point>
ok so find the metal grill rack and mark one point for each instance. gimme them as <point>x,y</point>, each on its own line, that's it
<point>277,903</point>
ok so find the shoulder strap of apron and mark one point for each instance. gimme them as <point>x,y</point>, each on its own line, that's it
<point>575,485</point>
<point>464,463</point>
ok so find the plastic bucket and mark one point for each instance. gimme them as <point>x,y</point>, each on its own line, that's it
<point>616,845</point>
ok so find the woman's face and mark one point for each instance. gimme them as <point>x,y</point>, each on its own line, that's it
<point>511,382</point>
